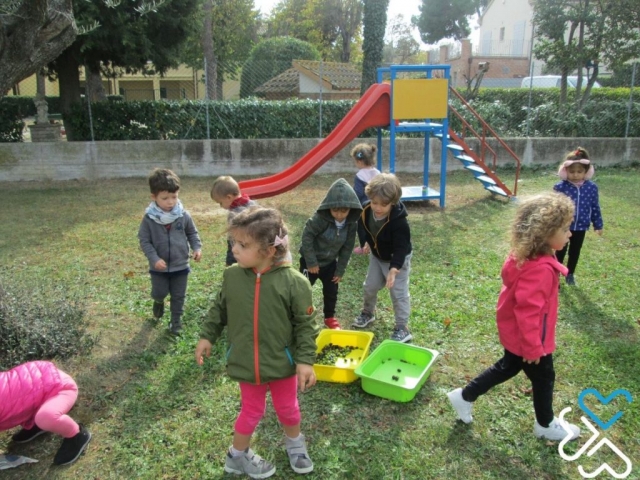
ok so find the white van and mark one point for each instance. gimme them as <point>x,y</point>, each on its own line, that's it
<point>553,81</point>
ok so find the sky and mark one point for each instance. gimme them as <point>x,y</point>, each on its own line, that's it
<point>407,8</point>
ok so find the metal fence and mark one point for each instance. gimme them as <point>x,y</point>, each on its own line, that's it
<point>519,115</point>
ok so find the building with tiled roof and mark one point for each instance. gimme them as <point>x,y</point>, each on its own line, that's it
<point>313,80</point>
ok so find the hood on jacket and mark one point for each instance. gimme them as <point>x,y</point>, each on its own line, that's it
<point>511,271</point>
<point>341,195</point>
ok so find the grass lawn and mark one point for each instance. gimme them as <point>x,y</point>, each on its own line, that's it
<point>154,414</point>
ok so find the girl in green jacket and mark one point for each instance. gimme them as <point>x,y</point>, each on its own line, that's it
<point>267,308</point>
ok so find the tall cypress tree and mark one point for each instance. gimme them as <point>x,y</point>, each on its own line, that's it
<point>375,23</point>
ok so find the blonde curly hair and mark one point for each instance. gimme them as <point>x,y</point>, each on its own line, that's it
<point>537,219</point>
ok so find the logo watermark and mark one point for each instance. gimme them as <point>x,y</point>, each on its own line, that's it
<point>596,434</point>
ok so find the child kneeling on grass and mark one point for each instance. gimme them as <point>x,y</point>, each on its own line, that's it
<point>388,236</point>
<point>38,396</point>
<point>527,312</point>
<point>267,308</point>
<point>327,241</point>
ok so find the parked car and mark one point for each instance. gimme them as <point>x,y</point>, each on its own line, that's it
<point>553,81</point>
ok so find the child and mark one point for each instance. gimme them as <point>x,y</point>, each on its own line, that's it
<point>38,396</point>
<point>527,312</point>
<point>226,192</point>
<point>329,235</point>
<point>576,171</point>
<point>363,155</point>
<point>388,239</point>
<point>267,307</point>
<point>166,232</point>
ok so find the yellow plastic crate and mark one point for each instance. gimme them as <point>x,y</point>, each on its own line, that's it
<point>343,370</point>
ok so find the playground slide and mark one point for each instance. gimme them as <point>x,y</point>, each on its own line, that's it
<point>372,110</point>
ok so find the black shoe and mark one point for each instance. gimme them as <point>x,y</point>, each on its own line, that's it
<point>158,310</point>
<point>571,280</point>
<point>175,329</point>
<point>73,447</point>
<point>24,435</point>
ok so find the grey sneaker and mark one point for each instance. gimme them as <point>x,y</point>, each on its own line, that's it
<point>401,334</point>
<point>175,328</point>
<point>364,319</point>
<point>555,431</point>
<point>571,280</point>
<point>460,405</point>
<point>250,464</point>
<point>298,456</point>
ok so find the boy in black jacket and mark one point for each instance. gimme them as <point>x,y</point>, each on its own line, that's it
<point>388,236</point>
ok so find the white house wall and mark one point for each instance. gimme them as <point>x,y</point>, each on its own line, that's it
<point>307,85</point>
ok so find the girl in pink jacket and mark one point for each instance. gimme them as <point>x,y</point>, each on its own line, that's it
<point>527,312</point>
<point>38,396</point>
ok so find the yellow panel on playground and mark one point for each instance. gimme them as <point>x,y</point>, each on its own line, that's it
<point>420,98</point>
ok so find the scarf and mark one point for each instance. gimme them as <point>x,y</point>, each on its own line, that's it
<point>158,215</point>
<point>240,201</point>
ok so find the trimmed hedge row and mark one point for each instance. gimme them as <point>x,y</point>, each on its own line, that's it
<point>511,112</point>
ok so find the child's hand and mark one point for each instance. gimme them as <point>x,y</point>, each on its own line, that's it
<point>160,265</point>
<point>203,348</point>
<point>391,278</point>
<point>315,270</point>
<point>598,232</point>
<point>336,279</point>
<point>197,255</point>
<point>535,360</point>
<point>366,249</point>
<point>306,376</point>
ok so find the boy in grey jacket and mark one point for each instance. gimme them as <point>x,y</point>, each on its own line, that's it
<point>327,242</point>
<point>166,233</point>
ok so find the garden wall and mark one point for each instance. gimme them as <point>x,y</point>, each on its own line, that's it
<point>113,159</point>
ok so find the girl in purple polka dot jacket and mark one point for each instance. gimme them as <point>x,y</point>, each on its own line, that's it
<point>576,171</point>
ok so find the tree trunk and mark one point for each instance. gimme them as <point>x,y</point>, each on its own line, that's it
<point>208,51</point>
<point>32,37</point>
<point>69,81</point>
<point>94,87</point>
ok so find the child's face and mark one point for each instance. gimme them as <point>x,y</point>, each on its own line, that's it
<point>165,200</point>
<point>339,214</point>
<point>225,201</point>
<point>247,252</point>
<point>576,172</point>
<point>559,239</point>
<point>380,207</point>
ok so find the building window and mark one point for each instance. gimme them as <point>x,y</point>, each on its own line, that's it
<point>502,34</point>
<point>163,92</point>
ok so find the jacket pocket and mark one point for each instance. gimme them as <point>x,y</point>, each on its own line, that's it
<point>544,328</point>
<point>289,356</point>
<point>228,353</point>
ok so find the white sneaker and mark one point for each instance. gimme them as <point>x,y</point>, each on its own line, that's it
<point>555,431</point>
<point>460,405</point>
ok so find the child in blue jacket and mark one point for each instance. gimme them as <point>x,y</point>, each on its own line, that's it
<point>576,171</point>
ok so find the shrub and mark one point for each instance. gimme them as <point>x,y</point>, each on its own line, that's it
<point>40,322</point>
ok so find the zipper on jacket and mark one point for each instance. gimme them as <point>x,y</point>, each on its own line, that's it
<point>256,343</point>
<point>168,230</point>
<point>577,216</point>
<point>375,239</point>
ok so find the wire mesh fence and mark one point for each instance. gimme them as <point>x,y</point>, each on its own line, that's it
<point>308,98</point>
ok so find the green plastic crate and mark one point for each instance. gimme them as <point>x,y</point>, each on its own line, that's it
<point>396,371</point>
<point>343,370</point>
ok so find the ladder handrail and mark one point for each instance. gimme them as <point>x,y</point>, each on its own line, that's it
<point>483,138</point>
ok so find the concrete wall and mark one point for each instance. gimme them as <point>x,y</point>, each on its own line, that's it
<point>91,161</point>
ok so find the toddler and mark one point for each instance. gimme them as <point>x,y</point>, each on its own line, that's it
<point>166,233</point>
<point>267,308</point>
<point>38,396</point>
<point>576,171</point>
<point>527,312</point>
<point>226,192</point>
<point>363,155</point>
<point>388,239</point>
<point>327,240</point>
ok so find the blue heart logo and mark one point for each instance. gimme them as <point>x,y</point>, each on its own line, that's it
<point>604,401</point>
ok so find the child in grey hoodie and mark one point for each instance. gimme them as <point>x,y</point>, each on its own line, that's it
<point>166,233</point>
<point>327,242</point>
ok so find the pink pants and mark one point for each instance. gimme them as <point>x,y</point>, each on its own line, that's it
<point>284,395</point>
<point>52,414</point>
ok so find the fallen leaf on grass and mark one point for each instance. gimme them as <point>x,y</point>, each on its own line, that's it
<point>129,274</point>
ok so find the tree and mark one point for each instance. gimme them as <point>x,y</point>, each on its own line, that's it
<point>127,39</point>
<point>375,23</point>
<point>32,33</point>
<point>441,19</point>
<point>577,34</point>
<point>400,48</point>
<point>270,58</point>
